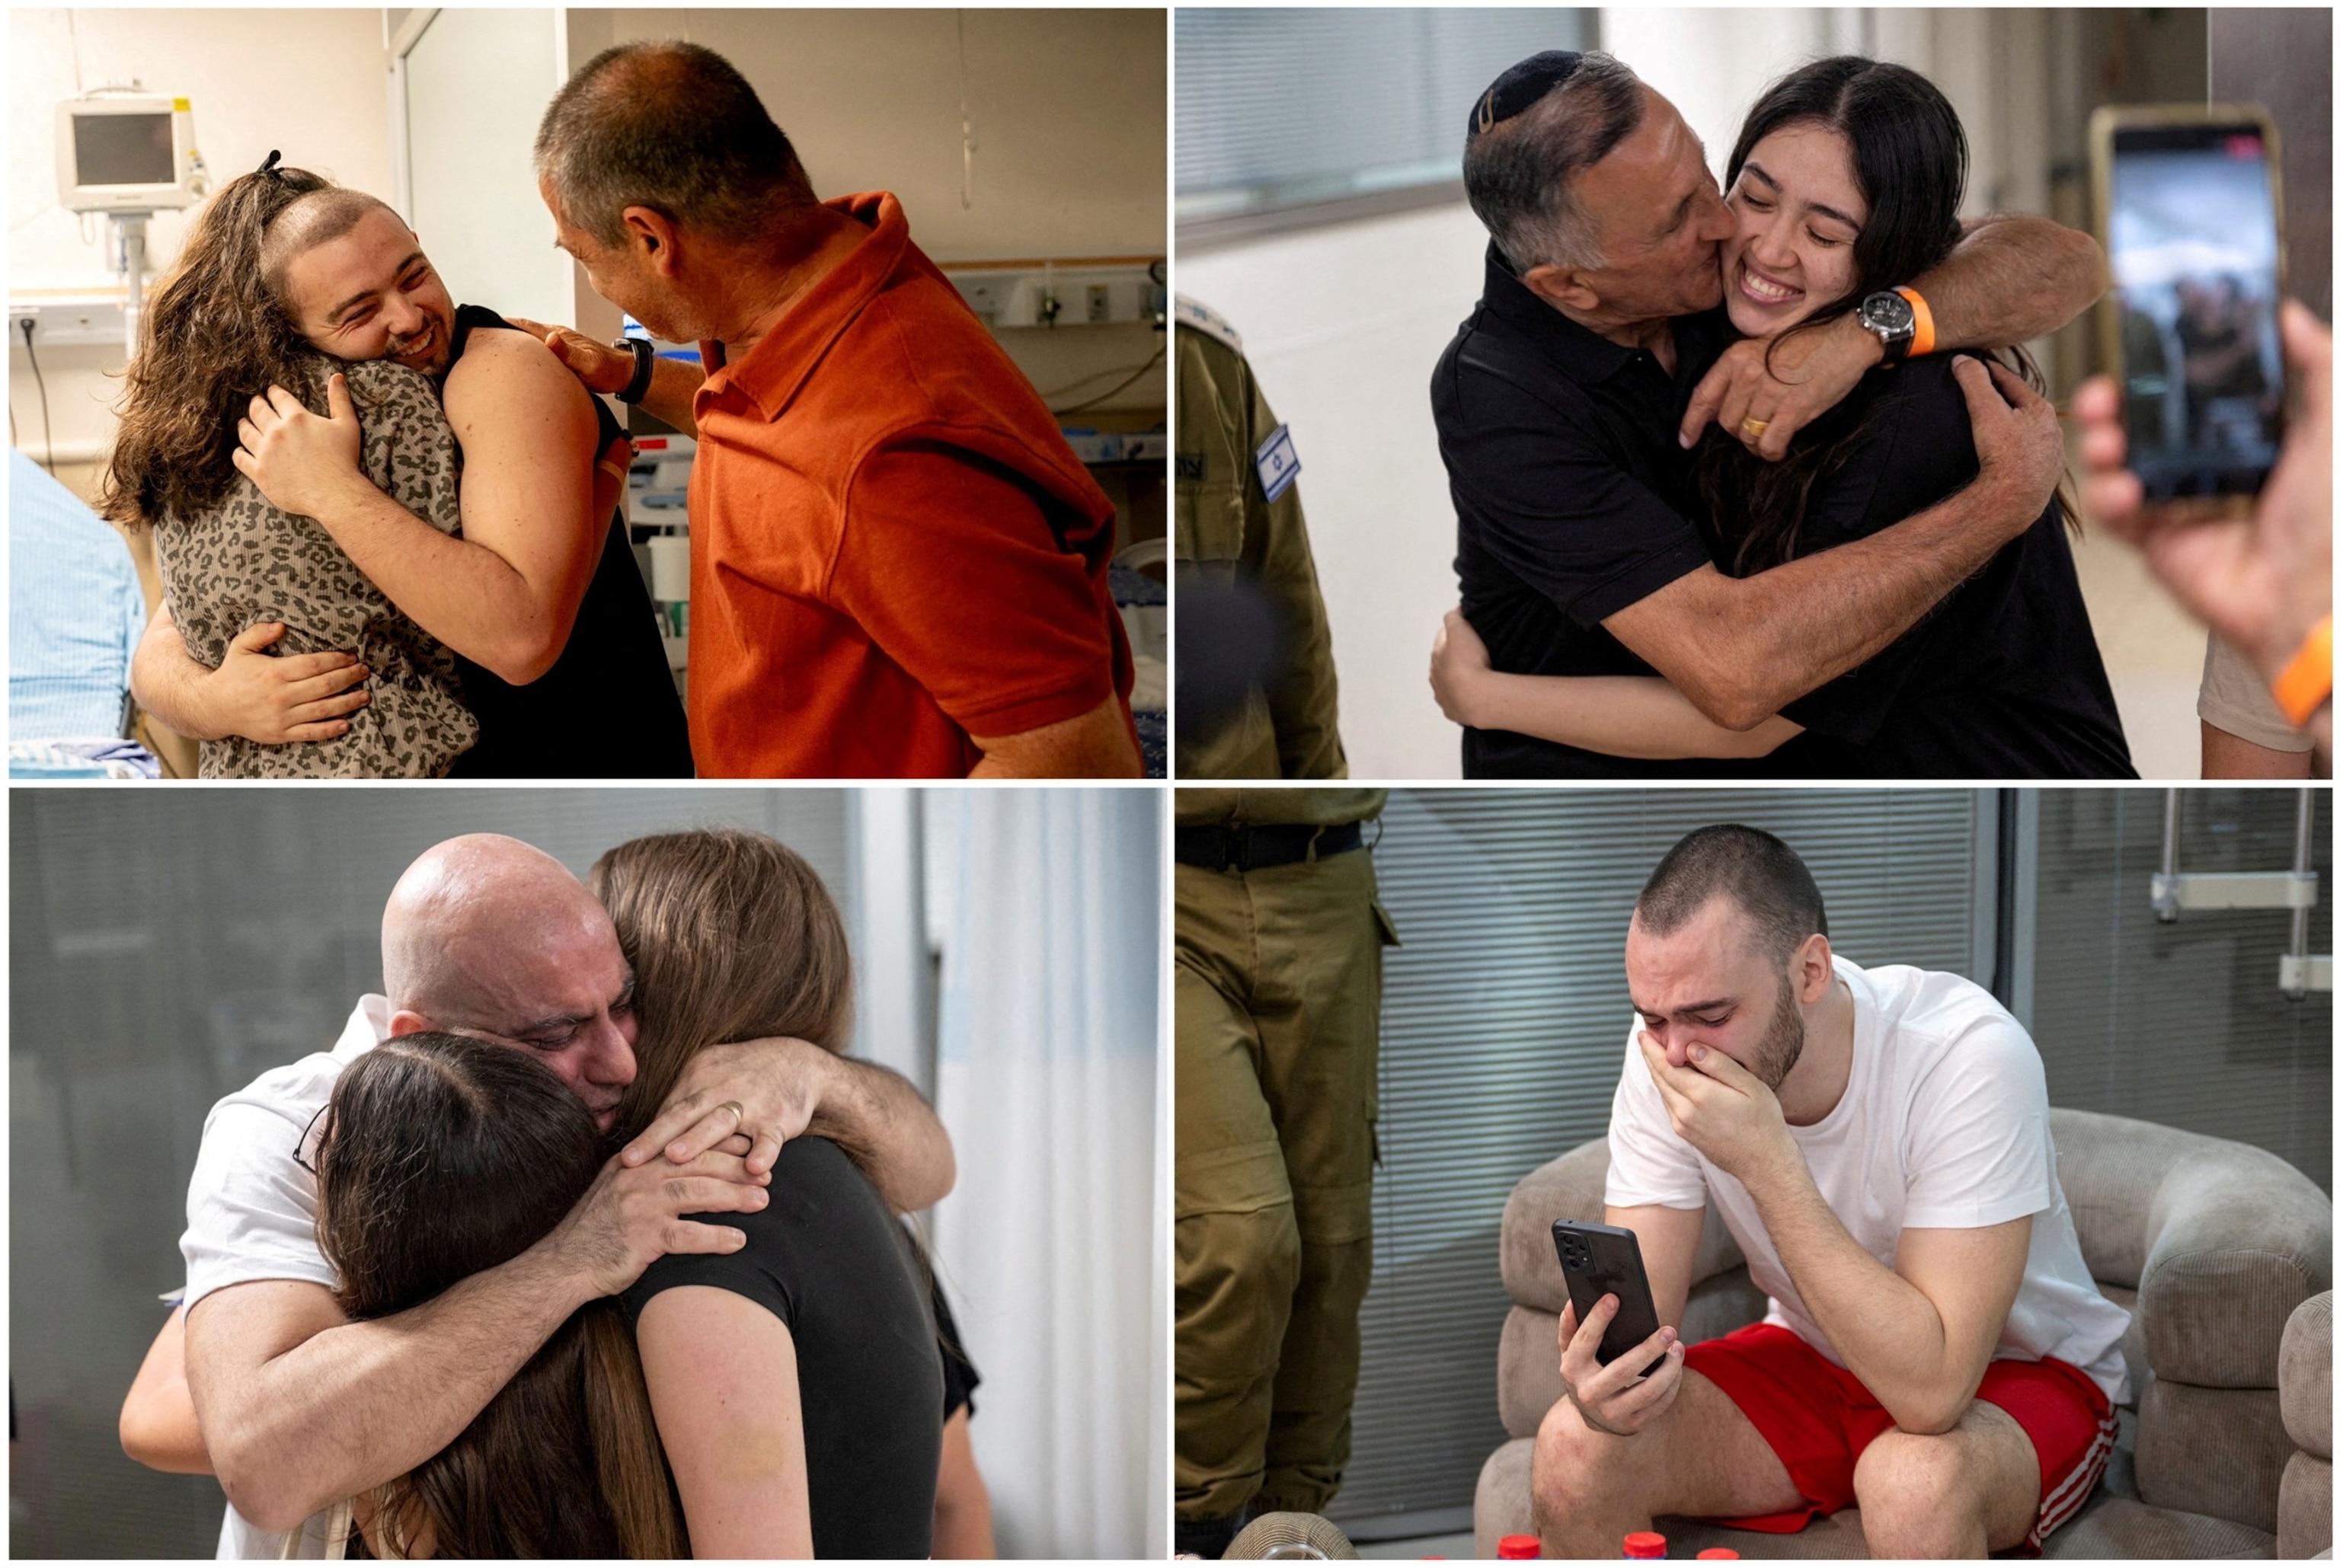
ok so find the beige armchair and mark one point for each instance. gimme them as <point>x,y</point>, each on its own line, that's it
<point>2220,1251</point>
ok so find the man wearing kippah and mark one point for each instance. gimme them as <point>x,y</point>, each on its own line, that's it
<point>1560,410</point>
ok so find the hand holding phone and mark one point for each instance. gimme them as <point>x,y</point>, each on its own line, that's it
<point>1622,1367</point>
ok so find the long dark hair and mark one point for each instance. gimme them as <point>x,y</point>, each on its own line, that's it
<point>215,335</point>
<point>442,1156</point>
<point>1909,160</point>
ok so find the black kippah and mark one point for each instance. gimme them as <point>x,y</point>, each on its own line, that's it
<point>1523,87</point>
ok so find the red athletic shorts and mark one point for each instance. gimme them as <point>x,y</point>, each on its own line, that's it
<point>1817,1418</point>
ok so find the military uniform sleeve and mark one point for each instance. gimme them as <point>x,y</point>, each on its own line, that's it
<point>1305,703</point>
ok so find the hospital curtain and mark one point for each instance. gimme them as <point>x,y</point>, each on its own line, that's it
<point>1503,1026</point>
<point>1044,908</point>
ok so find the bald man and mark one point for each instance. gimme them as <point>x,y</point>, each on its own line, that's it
<point>293,1406</point>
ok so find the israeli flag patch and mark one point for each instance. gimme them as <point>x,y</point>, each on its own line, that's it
<point>1277,463</point>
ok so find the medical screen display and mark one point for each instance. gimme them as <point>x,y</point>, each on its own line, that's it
<point>124,150</point>
<point>2194,255</point>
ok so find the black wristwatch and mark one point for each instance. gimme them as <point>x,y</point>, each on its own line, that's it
<point>1889,315</point>
<point>645,359</point>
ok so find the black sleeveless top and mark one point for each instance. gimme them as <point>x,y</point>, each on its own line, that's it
<point>608,708</point>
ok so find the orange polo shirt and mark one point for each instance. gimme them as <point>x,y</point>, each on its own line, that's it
<point>892,546</point>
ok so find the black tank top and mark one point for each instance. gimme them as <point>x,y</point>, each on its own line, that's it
<point>607,708</point>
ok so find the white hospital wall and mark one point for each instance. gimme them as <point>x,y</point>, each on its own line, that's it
<point>311,83</point>
<point>1070,116</point>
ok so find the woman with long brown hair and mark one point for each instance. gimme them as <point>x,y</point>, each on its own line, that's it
<point>215,336</point>
<point>439,1156</point>
<point>797,1382</point>
<point>1846,182</point>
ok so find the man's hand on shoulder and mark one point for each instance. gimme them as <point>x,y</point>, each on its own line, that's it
<point>764,1091</point>
<point>633,1216</point>
<point>2016,439</point>
<point>498,366</point>
<point>1781,384</point>
<point>1722,1110</point>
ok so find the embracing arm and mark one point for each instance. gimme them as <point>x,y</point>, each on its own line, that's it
<point>269,699</point>
<point>505,593</point>
<point>299,1407</point>
<point>1743,648</point>
<point>722,1376</point>
<point>1919,1334</point>
<point>159,1428</point>
<point>1617,716</point>
<point>784,1089</point>
<point>2009,281</point>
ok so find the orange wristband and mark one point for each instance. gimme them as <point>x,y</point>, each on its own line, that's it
<point>1921,341</point>
<point>2305,683</point>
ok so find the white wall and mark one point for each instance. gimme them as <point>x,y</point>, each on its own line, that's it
<point>477,82</point>
<point>1069,112</point>
<point>311,83</point>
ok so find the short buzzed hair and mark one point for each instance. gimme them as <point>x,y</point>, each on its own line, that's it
<point>1756,871</point>
<point>318,218</point>
<point>673,127</point>
<point>1517,172</point>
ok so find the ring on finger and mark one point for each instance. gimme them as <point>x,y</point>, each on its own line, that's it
<point>1752,429</point>
<point>739,1112</point>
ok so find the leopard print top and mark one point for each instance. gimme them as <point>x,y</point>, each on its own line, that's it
<point>244,561</point>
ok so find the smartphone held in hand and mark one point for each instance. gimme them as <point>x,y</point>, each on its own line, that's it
<point>2190,198</point>
<point>1600,1260</point>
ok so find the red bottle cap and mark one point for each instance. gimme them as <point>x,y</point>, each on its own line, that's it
<point>1519,1549</point>
<point>1645,1544</point>
<point>1719,1554</point>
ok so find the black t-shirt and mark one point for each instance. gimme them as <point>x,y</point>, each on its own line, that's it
<point>825,1258</point>
<point>959,1376</point>
<point>2002,678</point>
<point>608,708</point>
<point>1573,499</point>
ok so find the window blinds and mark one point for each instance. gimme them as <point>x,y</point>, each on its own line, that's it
<point>1280,107</point>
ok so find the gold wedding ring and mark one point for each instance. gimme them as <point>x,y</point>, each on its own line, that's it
<point>1753,428</point>
<point>739,1112</point>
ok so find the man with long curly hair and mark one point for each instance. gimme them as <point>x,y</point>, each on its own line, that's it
<point>280,516</point>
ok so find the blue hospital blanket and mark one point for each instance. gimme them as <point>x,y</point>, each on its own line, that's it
<point>76,612</point>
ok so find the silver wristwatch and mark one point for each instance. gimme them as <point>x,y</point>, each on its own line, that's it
<point>1889,315</point>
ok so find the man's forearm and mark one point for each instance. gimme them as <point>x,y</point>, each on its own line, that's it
<point>358,1403</point>
<point>2011,280</point>
<point>1766,640</point>
<point>463,594</point>
<point>168,683</point>
<point>892,1134</point>
<point>674,386</point>
<point>1888,1331</point>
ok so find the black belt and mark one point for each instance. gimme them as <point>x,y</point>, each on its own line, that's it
<point>1255,848</point>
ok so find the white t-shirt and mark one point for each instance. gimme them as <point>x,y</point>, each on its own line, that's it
<point>1942,1126</point>
<point>251,1208</point>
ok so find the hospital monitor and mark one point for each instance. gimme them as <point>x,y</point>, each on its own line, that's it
<point>125,153</point>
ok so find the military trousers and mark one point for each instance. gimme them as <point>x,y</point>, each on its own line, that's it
<point>1278,998</point>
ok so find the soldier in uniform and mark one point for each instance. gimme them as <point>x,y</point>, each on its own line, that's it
<point>1278,1006</point>
<point>1239,524</point>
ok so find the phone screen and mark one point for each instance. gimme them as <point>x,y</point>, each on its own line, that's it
<point>2193,256</point>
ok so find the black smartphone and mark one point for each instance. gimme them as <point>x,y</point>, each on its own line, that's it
<point>1600,1260</point>
<point>2189,198</point>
